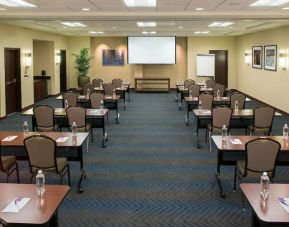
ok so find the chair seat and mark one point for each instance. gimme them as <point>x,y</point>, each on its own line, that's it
<point>61,163</point>
<point>48,129</point>
<point>241,170</point>
<point>214,129</point>
<point>251,128</point>
<point>84,128</point>
<point>7,162</point>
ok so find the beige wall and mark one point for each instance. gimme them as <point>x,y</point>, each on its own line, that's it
<point>268,86</point>
<point>202,45</point>
<point>128,72</point>
<point>16,37</point>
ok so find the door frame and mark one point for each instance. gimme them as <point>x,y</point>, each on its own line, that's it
<point>227,65</point>
<point>61,62</point>
<point>18,78</point>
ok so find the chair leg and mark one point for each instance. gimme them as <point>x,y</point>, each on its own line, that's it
<point>243,202</point>
<point>68,175</point>
<point>235,178</point>
<point>210,141</point>
<point>17,172</point>
<point>91,134</point>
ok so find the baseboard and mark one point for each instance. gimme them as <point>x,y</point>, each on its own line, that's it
<point>27,107</point>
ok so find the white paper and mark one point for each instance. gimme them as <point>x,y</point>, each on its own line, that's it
<point>108,97</point>
<point>16,205</point>
<point>236,141</point>
<point>9,138</point>
<point>57,111</point>
<point>284,202</point>
<point>62,139</point>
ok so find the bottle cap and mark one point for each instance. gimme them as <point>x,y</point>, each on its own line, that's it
<point>39,171</point>
<point>286,125</point>
<point>265,173</point>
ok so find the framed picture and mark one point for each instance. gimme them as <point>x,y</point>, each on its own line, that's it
<point>270,57</point>
<point>257,53</point>
<point>113,57</point>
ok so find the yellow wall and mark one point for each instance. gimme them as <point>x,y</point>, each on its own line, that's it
<point>268,86</point>
<point>202,45</point>
<point>17,37</point>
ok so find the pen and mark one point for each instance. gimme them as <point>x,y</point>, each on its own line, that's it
<point>281,200</point>
<point>16,201</point>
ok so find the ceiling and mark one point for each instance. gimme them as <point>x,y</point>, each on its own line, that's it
<point>173,17</point>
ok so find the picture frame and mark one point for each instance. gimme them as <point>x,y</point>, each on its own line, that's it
<point>257,57</point>
<point>112,57</point>
<point>270,57</point>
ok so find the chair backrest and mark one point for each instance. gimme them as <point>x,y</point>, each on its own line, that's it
<point>240,98</point>
<point>44,118</point>
<point>263,117</point>
<point>261,155</point>
<point>117,82</point>
<point>194,89</point>
<point>85,87</point>
<point>76,114</point>
<point>95,99</point>
<point>108,89</point>
<point>41,151</point>
<point>220,88</point>
<point>97,82</point>
<point>221,116</point>
<point>71,98</point>
<point>210,83</point>
<point>188,82</point>
<point>207,101</point>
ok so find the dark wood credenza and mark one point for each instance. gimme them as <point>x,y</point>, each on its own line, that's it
<point>153,84</point>
<point>40,87</point>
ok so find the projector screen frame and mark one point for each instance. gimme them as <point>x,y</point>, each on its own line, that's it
<point>175,62</point>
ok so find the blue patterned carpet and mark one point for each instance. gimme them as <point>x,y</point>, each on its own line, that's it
<point>150,174</point>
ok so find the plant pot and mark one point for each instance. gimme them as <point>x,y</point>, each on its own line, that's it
<point>83,80</point>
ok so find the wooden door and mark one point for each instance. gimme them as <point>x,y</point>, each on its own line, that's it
<point>221,66</point>
<point>63,82</point>
<point>12,80</point>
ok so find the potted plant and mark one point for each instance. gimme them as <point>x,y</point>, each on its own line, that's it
<point>82,62</point>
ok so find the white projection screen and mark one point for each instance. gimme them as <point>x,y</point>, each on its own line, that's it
<point>151,50</point>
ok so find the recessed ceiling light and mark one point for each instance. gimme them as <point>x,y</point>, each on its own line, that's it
<point>113,27</point>
<point>96,33</point>
<point>202,32</point>
<point>153,32</point>
<point>269,2</point>
<point>146,32</point>
<point>73,24</point>
<point>180,27</point>
<point>220,24</point>
<point>16,3</point>
<point>199,9</point>
<point>85,9</point>
<point>140,3</point>
<point>2,9</point>
<point>146,24</point>
<point>285,8</point>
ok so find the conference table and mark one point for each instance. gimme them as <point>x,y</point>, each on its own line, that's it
<point>233,149</point>
<point>111,102</point>
<point>270,212</point>
<point>94,116</point>
<point>38,211</point>
<point>67,146</point>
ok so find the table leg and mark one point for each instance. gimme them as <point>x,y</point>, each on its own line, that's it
<point>197,140</point>
<point>117,113</point>
<point>176,98</point>
<point>124,104</point>
<point>128,93</point>
<point>104,134</point>
<point>188,114</point>
<point>218,175</point>
<point>81,180</point>
<point>33,119</point>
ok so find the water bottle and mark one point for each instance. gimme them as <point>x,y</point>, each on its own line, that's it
<point>88,91</point>
<point>285,131</point>
<point>224,132</point>
<point>40,183</point>
<point>236,105</point>
<point>65,103</point>
<point>101,104</point>
<point>190,93</point>
<point>218,94</point>
<point>113,93</point>
<point>25,127</point>
<point>200,105</point>
<point>74,129</point>
<point>265,182</point>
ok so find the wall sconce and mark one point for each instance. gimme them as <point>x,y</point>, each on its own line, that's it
<point>283,53</point>
<point>57,57</point>
<point>27,58</point>
<point>247,57</point>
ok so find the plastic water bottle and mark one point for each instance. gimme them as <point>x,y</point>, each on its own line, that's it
<point>65,103</point>
<point>101,104</point>
<point>236,105</point>
<point>224,132</point>
<point>74,129</point>
<point>200,105</point>
<point>88,91</point>
<point>40,183</point>
<point>190,93</point>
<point>265,182</point>
<point>285,131</point>
<point>113,93</point>
<point>218,94</point>
<point>25,127</point>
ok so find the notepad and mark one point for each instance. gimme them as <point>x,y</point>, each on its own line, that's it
<point>284,202</point>
<point>236,141</point>
<point>108,97</point>
<point>9,138</point>
<point>16,205</point>
<point>57,111</point>
<point>62,139</point>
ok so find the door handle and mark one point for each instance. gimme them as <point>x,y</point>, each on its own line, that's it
<point>11,82</point>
